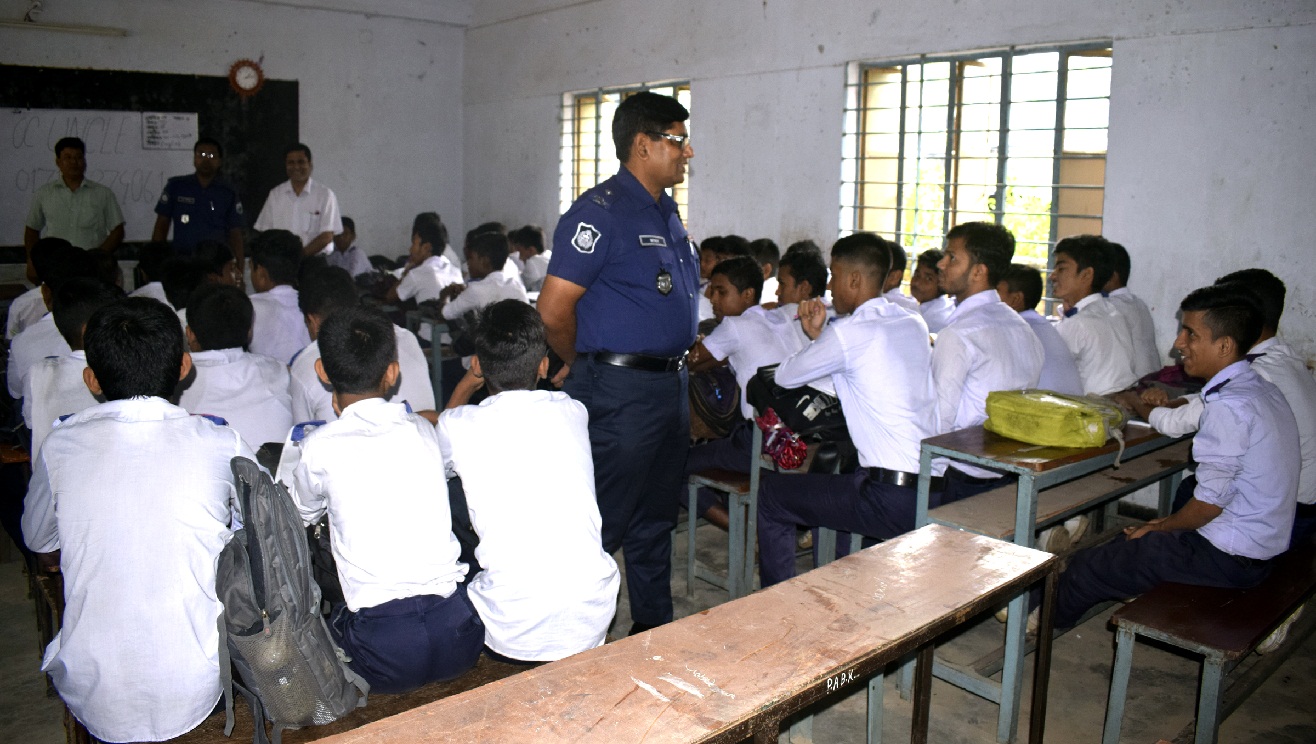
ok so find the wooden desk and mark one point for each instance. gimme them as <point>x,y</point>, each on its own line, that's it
<point>738,669</point>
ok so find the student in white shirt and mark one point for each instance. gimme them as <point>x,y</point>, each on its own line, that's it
<point>249,391</point>
<point>427,271</point>
<point>132,500</point>
<point>512,266</point>
<point>55,260</point>
<point>149,274</point>
<point>873,349</point>
<point>301,205</point>
<point>1021,288</point>
<point>486,255</point>
<point>1091,327</point>
<point>528,243</point>
<point>347,254</point>
<point>925,285</point>
<point>768,256</point>
<point>378,473</point>
<point>546,589</point>
<point>714,250</point>
<point>278,329</point>
<point>1136,315</point>
<point>895,277</point>
<point>323,292</point>
<point>54,386</point>
<point>25,310</point>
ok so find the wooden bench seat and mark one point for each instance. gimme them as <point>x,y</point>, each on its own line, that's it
<point>1224,626</point>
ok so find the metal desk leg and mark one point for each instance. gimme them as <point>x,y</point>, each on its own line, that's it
<point>1169,486</point>
<point>875,709</point>
<point>1012,680</point>
<point>752,510</point>
<point>735,546</point>
<point>826,545</point>
<point>691,505</point>
<point>1042,662</point>
<point>1208,701</point>
<point>905,682</point>
<point>922,694</point>
<point>1025,511</point>
<point>1119,685</point>
<point>924,487</point>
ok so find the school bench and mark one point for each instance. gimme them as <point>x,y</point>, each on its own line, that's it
<point>737,670</point>
<point>1223,626</point>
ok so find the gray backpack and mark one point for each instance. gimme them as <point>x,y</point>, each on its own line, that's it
<point>271,629</point>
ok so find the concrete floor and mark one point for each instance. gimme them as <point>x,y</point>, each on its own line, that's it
<point>1161,698</point>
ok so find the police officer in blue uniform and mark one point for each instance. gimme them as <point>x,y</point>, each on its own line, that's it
<point>621,305</point>
<point>200,206</point>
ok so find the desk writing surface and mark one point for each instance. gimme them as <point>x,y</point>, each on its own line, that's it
<point>978,441</point>
<point>690,679</point>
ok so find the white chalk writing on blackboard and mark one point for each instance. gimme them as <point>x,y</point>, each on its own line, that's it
<point>163,131</point>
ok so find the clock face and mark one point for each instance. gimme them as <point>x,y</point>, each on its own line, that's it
<point>246,77</point>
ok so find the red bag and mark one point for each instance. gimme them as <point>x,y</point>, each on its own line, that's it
<point>780,443</point>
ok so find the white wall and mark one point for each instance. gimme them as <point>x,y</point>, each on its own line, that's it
<point>1210,166</point>
<point>380,96</point>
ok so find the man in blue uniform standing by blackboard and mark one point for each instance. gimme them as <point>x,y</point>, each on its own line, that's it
<point>200,206</point>
<point>621,307</point>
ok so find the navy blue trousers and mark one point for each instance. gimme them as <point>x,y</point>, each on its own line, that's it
<point>639,431</point>
<point>404,644</point>
<point>728,453</point>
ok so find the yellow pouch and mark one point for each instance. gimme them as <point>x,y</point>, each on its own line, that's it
<point>1054,419</point>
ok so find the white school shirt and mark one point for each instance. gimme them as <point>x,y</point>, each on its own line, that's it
<point>936,312</point>
<point>547,589</point>
<point>1247,463</point>
<point>353,260</point>
<point>25,310</point>
<point>1099,339</point>
<point>54,388</point>
<point>754,339</point>
<point>378,472</point>
<point>1142,330</point>
<point>897,297</point>
<point>484,292</point>
<point>154,290</point>
<point>512,271</point>
<point>535,271</point>
<point>249,391</point>
<point>1059,372</point>
<point>278,328</point>
<point>425,281</point>
<point>38,341</point>
<point>138,496</point>
<point>880,361</point>
<point>312,401</point>
<point>305,215</point>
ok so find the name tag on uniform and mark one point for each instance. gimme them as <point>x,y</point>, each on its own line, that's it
<point>186,200</point>
<point>653,241</point>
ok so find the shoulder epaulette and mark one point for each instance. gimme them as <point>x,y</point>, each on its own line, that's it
<point>300,431</point>
<point>219,420</point>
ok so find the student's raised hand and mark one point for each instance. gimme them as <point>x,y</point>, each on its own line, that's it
<point>813,316</point>
<point>451,291</point>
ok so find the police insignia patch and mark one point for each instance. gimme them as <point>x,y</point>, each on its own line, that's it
<point>664,283</point>
<point>586,237</point>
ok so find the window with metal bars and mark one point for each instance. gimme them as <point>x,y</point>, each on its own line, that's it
<point>1013,136</point>
<point>588,155</point>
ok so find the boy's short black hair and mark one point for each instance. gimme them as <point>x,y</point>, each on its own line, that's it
<point>181,278</point>
<point>806,265</point>
<point>898,257</point>
<point>106,266</point>
<point>867,250</point>
<point>531,236</point>
<point>280,252</point>
<point>930,258</point>
<point>744,273</point>
<point>1088,252</point>
<point>220,317</point>
<point>726,246</point>
<point>1120,264</point>
<point>492,246</point>
<point>431,230</point>
<point>1267,287</point>
<point>56,260</point>
<point>356,346</point>
<point>349,224</point>
<point>806,245</point>
<point>1026,279</point>
<point>765,251</point>
<point>647,113</point>
<point>135,346</point>
<point>326,290</point>
<point>75,301</point>
<point>213,255</point>
<point>988,244</point>
<point>151,259</point>
<point>510,341</point>
<point>1231,310</point>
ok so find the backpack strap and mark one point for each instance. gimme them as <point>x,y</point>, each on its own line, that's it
<point>225,674</point>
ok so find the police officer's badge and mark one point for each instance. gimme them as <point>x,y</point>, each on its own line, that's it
<point>664,283</point>
<point>586,237</point>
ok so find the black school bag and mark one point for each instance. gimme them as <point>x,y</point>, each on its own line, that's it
<point>271,629</point>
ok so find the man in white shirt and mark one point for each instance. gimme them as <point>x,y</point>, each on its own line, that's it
<point>895,277</point>
<point>1091,327</point>
<point>486,255</point>
<point>278,329</point>
<point>132,500</point>
<point>428,271</point>
<point>1136,315</point>
<point>1021,288</point>
<point>877,349</point>
<point>302,206</point>
<point>925,285</point>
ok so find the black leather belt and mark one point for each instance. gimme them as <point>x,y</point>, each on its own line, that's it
<point>640,361</point>
<point>902,479</point>
<point>1246,562</point>
<point>1306,511</point>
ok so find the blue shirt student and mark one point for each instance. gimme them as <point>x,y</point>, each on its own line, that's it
<point>199,212</point>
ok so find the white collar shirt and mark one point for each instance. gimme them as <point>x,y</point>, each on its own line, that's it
<point>484,292</point>
<point>306,215</point>
<point>895,296</point>
<point>55,388</point>
<point>312,401</point>
<point>547,588</point>
<point>154,290</point>
<point>378,473</point>
<point>754,339</point>
<point>249,391</point>
<point>1247,457</point>
<point>936,312</point>
<point>1099,339</point>
<point>38,341</point>
<point>25,310</point>
<point>1142,330</point>
<point>353,260</point>
<point>138,497</point>
<point>424,282</point>
<point>1059,372</point>
<point>278,328</point>
<point>880,362</point>
<point>535,271</point>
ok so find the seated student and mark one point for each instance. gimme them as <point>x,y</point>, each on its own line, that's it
<point>278,329</point>
<point>1146,358</point>
<point>132,500</point>
<point>547,589</point>
<point>713,251</point>
<point>54,385</point>
<point>768,256</point>
<point>894,278</point>
<point>219,264</point>
<point>1021,288</point>
<point>427,271</point>
<point>512,266</point>
<point>347,254</point>
<point>55,261</point>
<point>249,391</point>
<point>933,303</point>
<point>149,275</point>
<point>527,243</point>
<point>182,276</point>
<point>323,292</point>
<point>1091,327</point>
<point>1241,512</point>
<point>30,306</point>
<point>874,348</point>
<point>376,471</point>
<point>984,347</point>
<point>486,255</point>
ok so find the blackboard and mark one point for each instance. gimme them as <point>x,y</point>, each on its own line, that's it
<point>254,131</point>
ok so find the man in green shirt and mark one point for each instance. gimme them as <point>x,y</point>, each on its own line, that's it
<point>83,212</point>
